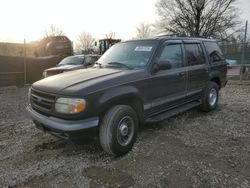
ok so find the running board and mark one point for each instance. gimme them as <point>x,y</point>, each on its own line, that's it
<point>172,112</point>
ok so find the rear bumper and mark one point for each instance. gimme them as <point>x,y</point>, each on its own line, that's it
<point>56,125</point>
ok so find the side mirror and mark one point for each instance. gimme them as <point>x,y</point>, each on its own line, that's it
<point>164,65</point>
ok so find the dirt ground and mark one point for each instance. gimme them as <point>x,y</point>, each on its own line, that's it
<point>194,149</point>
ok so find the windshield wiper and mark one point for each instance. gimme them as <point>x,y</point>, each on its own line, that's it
<point>120,64</point>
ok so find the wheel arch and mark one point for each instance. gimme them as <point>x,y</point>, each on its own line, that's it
<point>215,77</point>
<point>122,96</point>
<point>217,81</point>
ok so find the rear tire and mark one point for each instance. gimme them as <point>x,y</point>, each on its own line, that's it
<point>210,97</point>
<point>118,130</point>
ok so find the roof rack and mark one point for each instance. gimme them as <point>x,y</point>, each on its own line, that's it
<point>173,35</point>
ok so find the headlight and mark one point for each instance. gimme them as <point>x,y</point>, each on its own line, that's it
<point>70,105</point>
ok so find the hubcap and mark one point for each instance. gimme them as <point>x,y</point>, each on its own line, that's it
<point>125,130</point>
<point>212,97</point>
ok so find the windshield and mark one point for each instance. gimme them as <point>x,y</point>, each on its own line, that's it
<point>73,60</point>
<point>129,54</point>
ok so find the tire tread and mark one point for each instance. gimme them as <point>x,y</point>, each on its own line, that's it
<point>105,133</point>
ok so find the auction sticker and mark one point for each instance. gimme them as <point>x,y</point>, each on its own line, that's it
<point>143,48</point>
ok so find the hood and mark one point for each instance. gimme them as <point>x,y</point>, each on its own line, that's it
<point>85,77</point>
<point>65,68</point>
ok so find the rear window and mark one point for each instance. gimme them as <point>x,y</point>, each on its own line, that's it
<point>214,52</point>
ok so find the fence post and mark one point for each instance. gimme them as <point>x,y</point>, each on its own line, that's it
<point>243,54</point>
<point>24,62</point>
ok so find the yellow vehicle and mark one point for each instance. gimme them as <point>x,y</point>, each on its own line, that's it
<point>105,44</point>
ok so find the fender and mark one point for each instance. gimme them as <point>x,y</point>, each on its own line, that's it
<point>215,74</point>
<point>119,93</point>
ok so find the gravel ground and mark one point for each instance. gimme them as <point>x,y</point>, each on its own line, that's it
<point>194,149</point>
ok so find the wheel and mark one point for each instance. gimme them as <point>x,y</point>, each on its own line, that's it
<point>118,130</point>
<point>210,97</point>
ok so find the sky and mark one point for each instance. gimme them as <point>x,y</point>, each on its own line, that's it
<point>28,19</point>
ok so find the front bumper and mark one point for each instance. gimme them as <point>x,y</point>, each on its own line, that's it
<point>57,125</point>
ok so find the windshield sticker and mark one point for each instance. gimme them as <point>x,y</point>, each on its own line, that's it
<point>143,48</point>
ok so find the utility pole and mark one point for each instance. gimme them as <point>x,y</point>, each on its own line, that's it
<point>242,68</point>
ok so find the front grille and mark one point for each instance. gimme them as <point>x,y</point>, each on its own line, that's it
<point>42,102</point>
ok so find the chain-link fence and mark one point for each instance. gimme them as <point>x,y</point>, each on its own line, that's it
<point>238,59</point>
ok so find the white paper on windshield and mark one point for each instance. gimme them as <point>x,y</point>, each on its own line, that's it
<point>143,48</point>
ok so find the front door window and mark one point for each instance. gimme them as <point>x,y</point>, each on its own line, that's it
<point>173,54</point>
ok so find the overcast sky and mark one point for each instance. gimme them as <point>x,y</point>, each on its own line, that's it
<point>28,19</point>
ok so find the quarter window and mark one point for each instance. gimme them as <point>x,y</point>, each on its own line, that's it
<point>194,54</point>
<point>214,52</point>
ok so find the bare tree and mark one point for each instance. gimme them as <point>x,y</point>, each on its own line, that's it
<point>53,31</point>
<point>85,42</point>
<point>110,35</point>
<point>207,18</point>
<point>143,31</point>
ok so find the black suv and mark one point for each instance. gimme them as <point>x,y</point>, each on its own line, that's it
<point>134,82</point>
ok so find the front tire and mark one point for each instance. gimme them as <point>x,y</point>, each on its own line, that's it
<point>210,97</point>
<point>118,130</point>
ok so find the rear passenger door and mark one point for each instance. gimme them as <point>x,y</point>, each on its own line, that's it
<point>197,69</point>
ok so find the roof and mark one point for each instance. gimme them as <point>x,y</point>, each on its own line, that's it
<point>174,37</point>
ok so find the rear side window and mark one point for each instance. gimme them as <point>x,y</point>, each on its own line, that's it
<point>214,52</point>
<point>194,54</point>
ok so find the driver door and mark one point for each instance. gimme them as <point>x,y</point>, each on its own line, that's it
<point>169,86</point>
